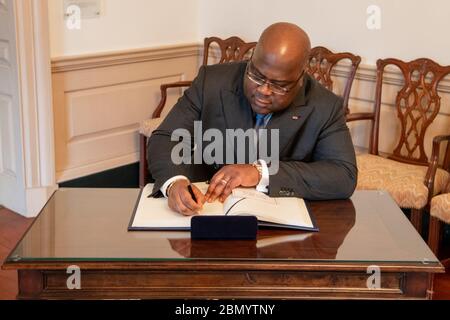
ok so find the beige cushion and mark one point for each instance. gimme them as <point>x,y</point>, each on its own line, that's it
<point>403,181</point>
<point>440,207</point>
<point>149,125</point>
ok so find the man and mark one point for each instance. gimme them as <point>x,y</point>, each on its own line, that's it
<point>316,155</point>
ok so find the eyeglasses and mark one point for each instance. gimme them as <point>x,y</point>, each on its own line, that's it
<point>261,80</point>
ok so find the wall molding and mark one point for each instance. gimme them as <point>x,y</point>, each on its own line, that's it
<point>392,76</point>
<point>108,59</point>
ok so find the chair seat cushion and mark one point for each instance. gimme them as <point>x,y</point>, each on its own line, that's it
<point>403,181</point>
<point>149,125</point>
<point>440,207</point>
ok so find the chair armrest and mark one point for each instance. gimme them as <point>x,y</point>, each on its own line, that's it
<point>434,162</point>
<point>147,126</point>
<point>438,139</point>
<point>360,116</point>
<point>163,88</point>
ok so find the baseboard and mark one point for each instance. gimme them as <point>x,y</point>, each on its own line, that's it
<point>122,177</point>
<point>96,167</point>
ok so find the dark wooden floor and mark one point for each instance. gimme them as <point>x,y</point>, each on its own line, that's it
<point>13,226</point>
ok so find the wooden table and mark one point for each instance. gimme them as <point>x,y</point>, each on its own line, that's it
<point>87,228</point>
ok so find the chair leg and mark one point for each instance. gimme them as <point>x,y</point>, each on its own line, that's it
<point>143,166</point>
<point>416,219</point>
<point>434,234</point>
<point>446,264</point>
<point>430,289</point>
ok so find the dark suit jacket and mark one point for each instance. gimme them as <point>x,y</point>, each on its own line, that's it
<point>317,158</point>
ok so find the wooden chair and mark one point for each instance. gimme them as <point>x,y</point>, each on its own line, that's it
<point>231,49</point>
<point>321,63</point>
<point>440,204</point>
<point>406,174</point>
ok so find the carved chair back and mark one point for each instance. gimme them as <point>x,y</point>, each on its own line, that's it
<point>417,104</point>
<point>321,63</point>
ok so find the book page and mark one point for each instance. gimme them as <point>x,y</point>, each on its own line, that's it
<point>287,211</point>
<point>252,193</point>
<point>155,212</point>
<point>214,208</point>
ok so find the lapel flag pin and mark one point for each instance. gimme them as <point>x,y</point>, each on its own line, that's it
<point>295,117</point>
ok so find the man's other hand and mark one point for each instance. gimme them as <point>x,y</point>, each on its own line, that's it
<point>229,178</point>
<point>180,200</point>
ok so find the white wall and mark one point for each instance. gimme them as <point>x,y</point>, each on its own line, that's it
<point>125,24</point>
<point>341,25</point>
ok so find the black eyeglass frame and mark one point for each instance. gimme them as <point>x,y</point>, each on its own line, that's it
<point>260,81</point>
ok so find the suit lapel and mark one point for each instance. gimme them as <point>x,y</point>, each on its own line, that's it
<point>237,112</point>
<point>289,123</point>
<point>290,120</point>
<point>236,109</point>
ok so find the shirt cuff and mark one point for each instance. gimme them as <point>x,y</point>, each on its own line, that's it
<point>169,182</point>
<point>263,185</point>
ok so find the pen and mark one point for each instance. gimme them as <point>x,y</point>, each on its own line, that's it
<point>192,193</point>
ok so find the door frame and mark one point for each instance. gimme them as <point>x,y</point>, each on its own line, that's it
<point>35,96</point>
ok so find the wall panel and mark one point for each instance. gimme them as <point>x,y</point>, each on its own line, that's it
<point>99,101</point>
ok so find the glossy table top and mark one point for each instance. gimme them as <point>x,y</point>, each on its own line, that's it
<point>91,225</point>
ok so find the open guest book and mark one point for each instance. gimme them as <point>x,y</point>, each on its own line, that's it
<point>155,214</point>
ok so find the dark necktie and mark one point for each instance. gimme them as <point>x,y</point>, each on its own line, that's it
<point>259,121</point>
<point>259,124</point>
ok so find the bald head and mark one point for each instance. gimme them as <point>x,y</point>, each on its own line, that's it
<point>278,62</point>
<point>284,45</point>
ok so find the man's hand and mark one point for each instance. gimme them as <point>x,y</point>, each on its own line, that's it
<point>229,178</point>
<point>180,199</point>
